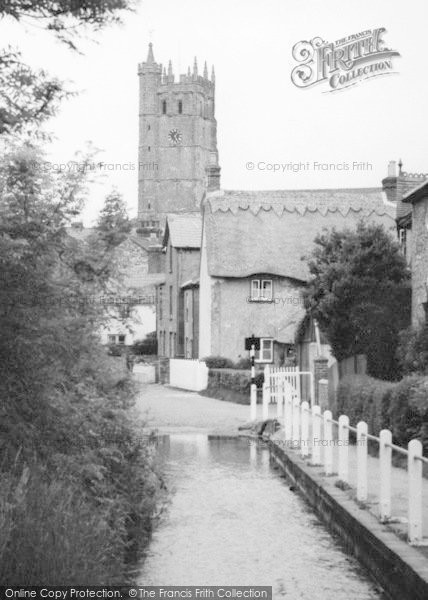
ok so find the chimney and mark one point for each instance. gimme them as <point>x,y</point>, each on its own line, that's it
<point>389,184</point>
<point>392,172</point>
<point>213,178</point>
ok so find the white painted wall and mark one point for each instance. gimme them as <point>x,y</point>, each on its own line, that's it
<point>141,322</point>
<point>188,374</point>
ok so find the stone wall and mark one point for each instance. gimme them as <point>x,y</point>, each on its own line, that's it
<point>419,260</point>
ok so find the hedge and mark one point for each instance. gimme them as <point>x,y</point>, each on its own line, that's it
<point>401,407</point>
<point>232,385</point>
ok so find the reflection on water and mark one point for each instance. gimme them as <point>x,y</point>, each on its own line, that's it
<point>234,521</point>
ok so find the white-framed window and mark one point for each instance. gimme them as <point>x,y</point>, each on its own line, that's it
<point>265,354</point>
<point>111,338</point>
<point>121,339</point>
<point>261,290</point>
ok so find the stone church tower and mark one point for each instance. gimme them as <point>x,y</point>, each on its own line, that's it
<point>178,157</point>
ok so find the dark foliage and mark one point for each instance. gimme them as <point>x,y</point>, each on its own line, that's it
<point>401,407</point>
<point>412,351</point>
<point>360,295</point>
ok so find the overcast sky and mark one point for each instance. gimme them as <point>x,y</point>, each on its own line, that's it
<point>262,116</point>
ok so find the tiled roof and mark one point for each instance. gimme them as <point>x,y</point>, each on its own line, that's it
<point>272,231</point>
<point>184,229</point>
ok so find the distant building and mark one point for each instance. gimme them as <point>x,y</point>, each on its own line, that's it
<point>416,202</point>
<point>253,265</point>
<point>131,297</point>
<point>178,295</point>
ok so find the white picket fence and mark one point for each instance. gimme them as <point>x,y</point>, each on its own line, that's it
<point>275,378</point>
<point>188,374</point>
<point>304,427</point>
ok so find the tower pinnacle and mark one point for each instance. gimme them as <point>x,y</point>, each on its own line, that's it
<point>170,73</point>
<point>150,57</point>
<point>213,74</point>
<point>205,70</point>
<point>195,68</point>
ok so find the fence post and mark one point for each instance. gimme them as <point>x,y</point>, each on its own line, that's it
<point>304,449</point>
<point>279,399</point>
<point>253,388</point>
<point>328,442</point>
<point>253,402</point>
<point>298,387</point>
<point>385,455</point>
<point>414,473</point>
<point>343,443</point>
<point>296,422</point>
<point>362,461</point>
<point>265,413</point>
<point>316,434</point>
<point>288,412</point>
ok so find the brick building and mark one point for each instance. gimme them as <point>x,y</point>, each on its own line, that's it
<point>178,295</point>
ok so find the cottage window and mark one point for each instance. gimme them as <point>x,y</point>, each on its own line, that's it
<point>261,290</point>
<point>111,338</point>
<point>265,354</point>
<point>121,339</point>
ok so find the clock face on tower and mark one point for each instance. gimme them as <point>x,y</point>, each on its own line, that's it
<point>175,137</point>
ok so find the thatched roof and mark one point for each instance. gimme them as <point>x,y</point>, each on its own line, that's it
<point>272,231</point>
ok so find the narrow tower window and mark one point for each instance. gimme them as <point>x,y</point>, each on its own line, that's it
<point>164,107</point>
<point>180,107</point>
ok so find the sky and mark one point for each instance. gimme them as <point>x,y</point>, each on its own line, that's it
<point>263,118</point>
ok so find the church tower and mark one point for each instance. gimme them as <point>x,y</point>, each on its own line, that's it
<point>178,157</point>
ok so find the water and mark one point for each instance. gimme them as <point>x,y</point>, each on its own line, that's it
<point>233,520</point>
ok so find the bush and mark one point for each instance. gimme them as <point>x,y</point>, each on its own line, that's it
<point>218,362</point>
<point>408,411</point>
<point>115,350</point>
<point>147,346</point>
<point>232,385</point>
<point>243,363</point>
<point>412,351</point>
<point>50,534</point>
<point>401,407</point>
<point>363,398</point>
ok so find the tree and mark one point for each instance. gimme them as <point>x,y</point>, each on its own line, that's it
<point>360,295</point>
<point>64,17</point>
<point>28,97</point>
<point>113,222</point>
